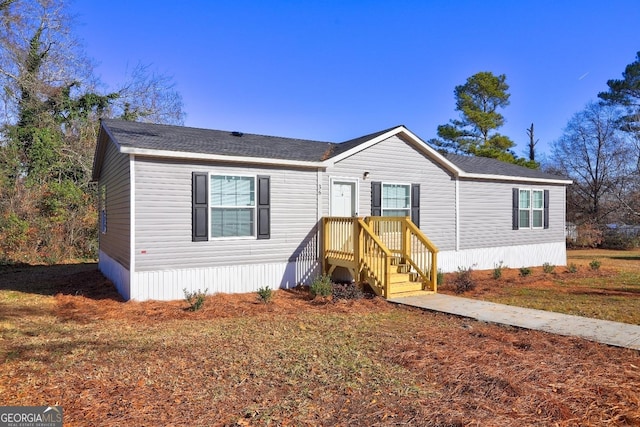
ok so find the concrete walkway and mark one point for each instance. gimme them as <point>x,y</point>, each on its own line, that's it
<point>603,331</point>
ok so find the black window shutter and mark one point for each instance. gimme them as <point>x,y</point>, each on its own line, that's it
<point>546,209</point>
<point>415,204</point>
<point>516,209</point>
<point>264,207</point>
<point>376,198</point>
<point>200,207</point>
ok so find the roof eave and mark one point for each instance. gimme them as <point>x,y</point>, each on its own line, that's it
<point>219,157</point>
<point>489,177</point>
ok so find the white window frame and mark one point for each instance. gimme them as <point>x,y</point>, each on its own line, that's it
<point>540,209</point>
<point>531,209</point>
<point>383,208</point>
<point>253,208</point>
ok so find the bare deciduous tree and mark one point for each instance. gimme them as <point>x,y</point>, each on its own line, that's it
<point>594,153</point>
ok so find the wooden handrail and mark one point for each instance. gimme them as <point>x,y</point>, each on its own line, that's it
<point>367,246</point>
<point>414,257</point>
<point>404,238</point>
<point>374,259</point>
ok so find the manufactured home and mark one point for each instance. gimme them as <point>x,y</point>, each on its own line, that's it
<point>195,209</point>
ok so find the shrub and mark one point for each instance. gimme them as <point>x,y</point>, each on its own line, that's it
<point>572,268</point>
<point>321,286</point>
<point>620,239</point>
<point>594,265</point>
<point>463,281</point>
<point>265,294</point>
<point>589,235</point>
<point>497,270</point>
<point>548,268</point>
<point>195,299</point>
<point>440,277</point>
<point>525,271</point>
<point>346,291</point>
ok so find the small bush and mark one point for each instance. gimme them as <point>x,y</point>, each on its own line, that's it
<point>346,291</point>
<point>497,270</point>
<point>265,294</point>
<point>572,268</point>
<point>525,271</point>
<point>321,286</point>
<point>548,268</point>
<point>620,239</point>
<point>440,278</point>
<point>463,281</point>
<point>589,235</point>
<point>195,299</point>
<point>594,265</point>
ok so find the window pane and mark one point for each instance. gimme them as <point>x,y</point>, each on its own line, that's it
<point>538,199</point>
<point>525,199</point>
<point>395,196</point>
<point>537,218</point>
<point>524,218</point>
<point>395,212</point>
<point>232,190</point>
<point>226,222</point>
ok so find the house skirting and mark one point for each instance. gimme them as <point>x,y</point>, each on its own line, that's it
<point>509,256</point>
<point>170,284</point>
<point>117,273</point>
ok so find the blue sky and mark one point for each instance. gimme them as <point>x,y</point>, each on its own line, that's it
<point>335,70</point>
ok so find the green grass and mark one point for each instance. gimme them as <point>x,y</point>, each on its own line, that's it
<point>611,293</point>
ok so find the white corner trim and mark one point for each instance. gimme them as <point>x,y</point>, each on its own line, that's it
<point>457,213</point>
<point>132,220</point>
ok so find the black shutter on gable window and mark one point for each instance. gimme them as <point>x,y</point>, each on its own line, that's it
<point>200,207</point>
<point>263,208</point>
<point>415,204</point>
<point>376,198</point>
<point>546,209</point>
<point>516,209</point>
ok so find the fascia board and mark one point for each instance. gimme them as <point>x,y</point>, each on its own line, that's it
<point>486,177</point>
<point>217,157</point>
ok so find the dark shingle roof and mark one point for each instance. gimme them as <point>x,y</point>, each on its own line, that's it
<point>487,166</point>
<point>204,141</point>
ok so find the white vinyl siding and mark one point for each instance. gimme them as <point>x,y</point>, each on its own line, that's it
<point>233,206</point>
<point>103,208</point>
<point>396,199</point>
<point>394,160</point>
<point>164,199</point>
<point>486,216</point>
<point>115,230</point>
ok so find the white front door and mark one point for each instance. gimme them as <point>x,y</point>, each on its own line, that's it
<point>343,198</point>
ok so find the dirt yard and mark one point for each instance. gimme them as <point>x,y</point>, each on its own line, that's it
<point>67,338</point>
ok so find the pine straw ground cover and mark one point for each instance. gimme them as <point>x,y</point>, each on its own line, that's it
<point>66,338</point>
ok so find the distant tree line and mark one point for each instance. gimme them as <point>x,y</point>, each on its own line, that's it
<point>50,107</point>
